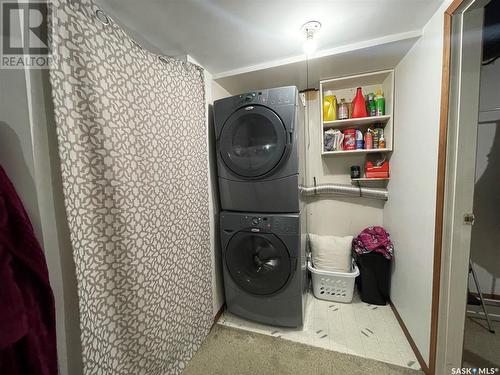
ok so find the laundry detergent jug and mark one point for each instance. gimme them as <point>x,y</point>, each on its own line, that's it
<point>329,107</point>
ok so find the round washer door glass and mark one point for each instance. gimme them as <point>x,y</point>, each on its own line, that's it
<point>259,263</point>
<point>253,141</point>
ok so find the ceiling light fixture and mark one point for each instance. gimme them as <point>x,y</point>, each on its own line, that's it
<point>309,29</point>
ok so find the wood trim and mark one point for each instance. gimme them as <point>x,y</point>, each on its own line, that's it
<point>414,347</point>
<point>453,7</point>
<point>440,189</point>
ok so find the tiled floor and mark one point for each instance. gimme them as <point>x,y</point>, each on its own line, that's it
<point>357,328</point>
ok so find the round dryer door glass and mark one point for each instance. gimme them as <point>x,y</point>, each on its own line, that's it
<point>258,263</point>
<point>253,141</point>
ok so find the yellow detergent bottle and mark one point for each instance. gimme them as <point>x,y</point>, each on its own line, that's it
<point>329,107</point>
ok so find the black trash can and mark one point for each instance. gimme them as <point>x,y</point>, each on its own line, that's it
<point>374,279</point>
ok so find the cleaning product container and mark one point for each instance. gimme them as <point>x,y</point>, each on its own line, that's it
<point>379,103</point>
<point>350,139</point>
<point>359,104</point>
<point>343,110</point>
<point>329,107</point>
<point>333,286</point>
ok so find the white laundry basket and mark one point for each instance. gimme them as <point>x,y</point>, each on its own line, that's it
<point>333,286</point>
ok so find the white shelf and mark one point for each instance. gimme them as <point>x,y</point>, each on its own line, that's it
<point>372,182</point>
<point>346,88</point>
<point>342,124</point>
<point>354,152</point>
<point>364,179</point>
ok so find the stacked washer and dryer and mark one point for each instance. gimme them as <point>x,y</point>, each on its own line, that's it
<point>261,163</point>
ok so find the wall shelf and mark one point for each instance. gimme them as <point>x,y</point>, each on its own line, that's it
<point>358,152</point>
<point>345,88</point>
<point>344,124</point>
<point>364,179</point>
<point>370,182</point>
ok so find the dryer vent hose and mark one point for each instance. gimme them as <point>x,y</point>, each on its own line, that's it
<point>344,190</point>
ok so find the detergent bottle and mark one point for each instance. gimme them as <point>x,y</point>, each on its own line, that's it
<point>329,107</point>
<point>379,103</point>
<point>359,109</point>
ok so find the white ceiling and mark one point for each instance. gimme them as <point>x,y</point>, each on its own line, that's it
<point>307,75</point>
<point>227,35</point>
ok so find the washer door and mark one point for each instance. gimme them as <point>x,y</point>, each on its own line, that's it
<point>259,263</point>
<point>253,141</point>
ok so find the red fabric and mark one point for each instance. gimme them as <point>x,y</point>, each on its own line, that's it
<point>27,315</point>
<point>374,239</point>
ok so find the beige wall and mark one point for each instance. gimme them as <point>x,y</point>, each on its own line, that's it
<point>213,91</point>
<point>217,92</point>
<point>409,213</point>
<point>330,215</point>
<point>28,153</point>
<point>16,151</point>
<point>56,237</point>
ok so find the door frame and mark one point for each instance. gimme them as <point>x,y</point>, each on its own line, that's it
<point>443,228</point>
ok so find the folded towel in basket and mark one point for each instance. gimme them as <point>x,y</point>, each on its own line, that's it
<point>331,253</point>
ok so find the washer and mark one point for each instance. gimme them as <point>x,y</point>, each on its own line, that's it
<point>264,266</point>
<point>259,155</point>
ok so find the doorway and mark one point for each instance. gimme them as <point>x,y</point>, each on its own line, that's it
<point>482,323</point>
<point>461,242</point>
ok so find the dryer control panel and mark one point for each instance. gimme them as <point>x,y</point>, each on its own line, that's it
<point>259,97</point>
<point>264,223</point>
<point>277,96</point>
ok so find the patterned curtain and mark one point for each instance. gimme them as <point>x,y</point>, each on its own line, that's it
<point>133,147</point>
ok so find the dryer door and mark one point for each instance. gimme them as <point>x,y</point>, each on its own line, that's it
<point>253,141</point>
<point>259,263</point>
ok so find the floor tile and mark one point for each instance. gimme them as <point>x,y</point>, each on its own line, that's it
<point>357,328</point>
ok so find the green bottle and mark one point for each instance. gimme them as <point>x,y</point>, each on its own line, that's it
<point>379,103</point>
<point>371,105</point>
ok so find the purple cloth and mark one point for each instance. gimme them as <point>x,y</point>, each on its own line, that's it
<point>373,239</point>
<point>27,315</point>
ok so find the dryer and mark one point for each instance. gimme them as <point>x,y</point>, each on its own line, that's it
<point>264,266</point>
<point>260,150</point>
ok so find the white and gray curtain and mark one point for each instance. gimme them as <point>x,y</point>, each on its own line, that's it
<point>133,147</point>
